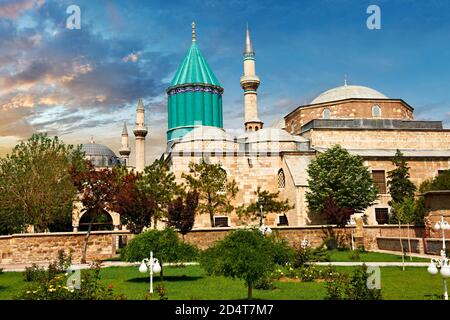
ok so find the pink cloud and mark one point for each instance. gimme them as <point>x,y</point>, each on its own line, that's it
<point>13,9</point>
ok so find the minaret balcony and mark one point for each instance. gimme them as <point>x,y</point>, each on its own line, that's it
<point>140,131</point>
<point>250,82</point>
<point>124,151</point>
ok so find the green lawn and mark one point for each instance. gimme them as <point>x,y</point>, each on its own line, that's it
<point>191,283</point>
<point>344,255</point>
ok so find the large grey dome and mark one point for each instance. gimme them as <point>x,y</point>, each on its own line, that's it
<point>99,154</point>
<point>348,92</point>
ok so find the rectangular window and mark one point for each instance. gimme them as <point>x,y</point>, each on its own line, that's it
<point>282,220</point>
<point>382,215</point>
<point>379,179</point>
<point>221,221</point>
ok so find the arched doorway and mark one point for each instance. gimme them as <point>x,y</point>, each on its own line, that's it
<point>100,221</point>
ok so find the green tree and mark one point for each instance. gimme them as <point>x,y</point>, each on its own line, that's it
<point>165,244</point>
<point>440,182</point>
<point>215,192</point>
<point>269,203</point>
<point>409,211</point>
<point>342,177</point>
<point>399,183</point>
<point>159,183</point>
<point>246,255</point>
<point>36,186</point>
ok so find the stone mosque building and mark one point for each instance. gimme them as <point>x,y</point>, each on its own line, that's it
<point>360,119</point>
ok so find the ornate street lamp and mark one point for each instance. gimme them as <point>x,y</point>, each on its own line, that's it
<point>441,264</point>
<point>151,265</point>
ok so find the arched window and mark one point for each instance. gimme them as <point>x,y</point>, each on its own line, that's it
<point>250,128</point>
<point>326,113</point>
<point>281,179</point>
<point>256,128</point>
<point>376,111</point>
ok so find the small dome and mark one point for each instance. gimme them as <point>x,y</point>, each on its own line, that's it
<point>348,92</point>
<point>99,154</point>
<point>207,133</point>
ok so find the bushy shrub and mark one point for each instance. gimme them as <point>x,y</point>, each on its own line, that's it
<point>352,287</point>
<point>165,244</point>
<point>307,254</point>
<point>36,273</point>
<point>355,255</point>
<point>306,273</point>
<point>283,252</point>
<point>57,288</point>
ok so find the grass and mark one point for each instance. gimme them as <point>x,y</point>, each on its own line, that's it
<point>367,256</point>
<point>191,283</point>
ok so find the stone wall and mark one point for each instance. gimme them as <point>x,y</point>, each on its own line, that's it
<point>438,205</point>
<point>380,139</point>
<point>206,237</point>
<point>44,247</point>
<point>349,109</point>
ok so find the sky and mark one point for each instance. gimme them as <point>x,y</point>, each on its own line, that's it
<point>83,83</point>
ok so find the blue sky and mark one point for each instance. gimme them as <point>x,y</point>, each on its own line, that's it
<point>83,83</point>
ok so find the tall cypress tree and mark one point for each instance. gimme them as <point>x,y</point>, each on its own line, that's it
<point>399,183</point>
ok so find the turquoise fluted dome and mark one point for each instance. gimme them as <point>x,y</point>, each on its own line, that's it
<point>195,95</point>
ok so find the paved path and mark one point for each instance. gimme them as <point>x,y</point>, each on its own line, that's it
<point>105,264</point>
<point>371,264</point>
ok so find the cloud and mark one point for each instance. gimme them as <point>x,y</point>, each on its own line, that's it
<point>13,9</point>
<point>48,68</point>
<point>133,57</point>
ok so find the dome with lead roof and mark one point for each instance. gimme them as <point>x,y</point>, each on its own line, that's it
<point>348,92</point>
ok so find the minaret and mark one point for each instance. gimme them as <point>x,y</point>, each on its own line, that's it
<point>125,151</point>
<point>250,83</point>
<point>140,131</point>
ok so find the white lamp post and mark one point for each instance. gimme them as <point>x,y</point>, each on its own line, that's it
<point>151,265</point>
<point>352,222</point>
<point>441,264</point>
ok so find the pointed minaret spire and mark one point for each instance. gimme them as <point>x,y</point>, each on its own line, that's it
<point>124,130</point>
<point>250,83</point>
<point>194,35</point>
<point>140,131</point>
<point>248,49</point>
<point>345,80</point>
<point>124,150</point>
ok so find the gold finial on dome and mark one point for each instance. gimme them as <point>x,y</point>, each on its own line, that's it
<point>194,36</point>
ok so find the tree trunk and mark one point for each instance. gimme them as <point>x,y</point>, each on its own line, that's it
<point>211,218</point>
<point>401,245</point>
<point>161,274</point>
<point>250,292</point>
<point>409,245</point>
<point>155,222</point>
<point>86,240</point>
